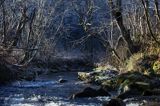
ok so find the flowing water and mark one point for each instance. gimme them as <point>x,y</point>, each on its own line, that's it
<point>47,91</point>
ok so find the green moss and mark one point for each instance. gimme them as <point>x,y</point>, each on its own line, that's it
<point>156,66</point>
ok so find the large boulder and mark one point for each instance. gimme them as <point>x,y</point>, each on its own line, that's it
<point>133,84</point>
<point>90,92</point>
<point>103,77</point>
<point>134,80</point>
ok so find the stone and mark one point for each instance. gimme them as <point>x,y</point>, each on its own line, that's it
<point>103,77</point>
<point>62,80</point>
<point>83,76</point>
<point>90,92</point>
<point>134,80</point>
<point>102,92</point>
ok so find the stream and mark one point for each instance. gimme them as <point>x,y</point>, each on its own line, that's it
<point>47,91</point>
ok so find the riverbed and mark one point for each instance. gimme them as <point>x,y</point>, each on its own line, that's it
<point>47,91</point>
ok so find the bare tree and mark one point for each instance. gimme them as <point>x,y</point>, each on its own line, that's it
<point>85,13</point>
<point>116,10</point>
<point>157,9</point>
<point>23,29</point>
<point>145,4</point>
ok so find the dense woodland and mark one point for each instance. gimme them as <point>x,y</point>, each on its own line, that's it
<point>48,28</point>
<point>94,38</point>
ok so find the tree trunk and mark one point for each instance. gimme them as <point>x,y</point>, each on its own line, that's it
<point>145,4</point>
<point>157,9</point>
<point>117,14</point>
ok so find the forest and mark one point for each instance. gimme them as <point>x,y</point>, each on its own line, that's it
<point>79,52</point>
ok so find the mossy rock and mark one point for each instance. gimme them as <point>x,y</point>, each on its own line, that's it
<point>133,80</point>
<point>98,77</point>
<point>129,85</point>
<point>125,86</point>
<point>101,78</point>
<point>83,76</point>
<point>132,76</point>
<point>142,86</point>
<point>110,83</point>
